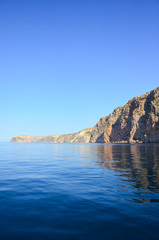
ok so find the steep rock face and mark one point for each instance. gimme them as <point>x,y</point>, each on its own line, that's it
<point>137,121</point>
<point>82,136</point>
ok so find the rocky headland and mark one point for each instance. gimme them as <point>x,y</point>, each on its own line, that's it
<point>135,122</point>
<point>82,136</point>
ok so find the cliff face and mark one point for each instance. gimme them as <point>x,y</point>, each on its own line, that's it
<point>137,121</point>
<point>82,136</point>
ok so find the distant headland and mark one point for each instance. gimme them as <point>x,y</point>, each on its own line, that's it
<point>135,122</point>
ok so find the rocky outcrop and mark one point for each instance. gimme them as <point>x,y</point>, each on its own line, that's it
<point>136,122</point>
<point>82,136</point>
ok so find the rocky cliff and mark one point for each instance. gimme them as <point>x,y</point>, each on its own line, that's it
<point>82,136</point>
<point>137,121</point>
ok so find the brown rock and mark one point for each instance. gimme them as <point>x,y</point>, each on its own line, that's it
<point>136,122</point>
<point>82,136</point>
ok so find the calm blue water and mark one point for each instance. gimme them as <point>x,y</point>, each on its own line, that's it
<point>79,191</point>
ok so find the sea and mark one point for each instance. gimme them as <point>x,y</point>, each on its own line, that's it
<point>79,191</point>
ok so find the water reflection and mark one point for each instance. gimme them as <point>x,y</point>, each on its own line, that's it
<point>136,164</point>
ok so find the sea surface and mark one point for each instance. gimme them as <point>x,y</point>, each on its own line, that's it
<point>79,191</point>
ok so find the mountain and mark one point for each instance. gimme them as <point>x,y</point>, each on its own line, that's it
<point>135,122</point>
<point>82,136</point>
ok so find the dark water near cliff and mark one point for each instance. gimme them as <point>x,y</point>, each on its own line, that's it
<point>79,191</point>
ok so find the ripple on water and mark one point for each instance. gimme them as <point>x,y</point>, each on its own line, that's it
<point>79,191</point>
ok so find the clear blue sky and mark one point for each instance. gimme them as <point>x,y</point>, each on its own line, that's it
<point>64,64</point>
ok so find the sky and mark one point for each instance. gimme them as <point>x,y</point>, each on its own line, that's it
<point>65,64</point>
